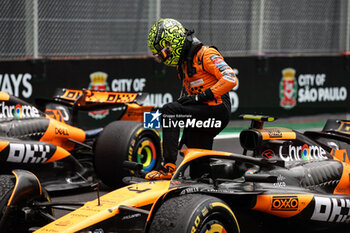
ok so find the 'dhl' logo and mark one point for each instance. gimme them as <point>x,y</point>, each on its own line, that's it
<point>285,203</point>
<point>151,120</point>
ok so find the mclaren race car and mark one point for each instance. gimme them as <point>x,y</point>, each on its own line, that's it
<point>284,181</point>
<point>64,156</point>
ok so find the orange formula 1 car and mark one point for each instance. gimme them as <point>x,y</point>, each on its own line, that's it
<point>64,156</point>
<point>284,181</point>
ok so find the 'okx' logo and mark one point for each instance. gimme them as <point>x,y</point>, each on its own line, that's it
<point>151,120</point>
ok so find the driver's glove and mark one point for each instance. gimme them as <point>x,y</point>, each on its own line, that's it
<point>194,99</point>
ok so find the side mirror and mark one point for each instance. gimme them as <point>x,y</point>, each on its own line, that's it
<point>222,169</point>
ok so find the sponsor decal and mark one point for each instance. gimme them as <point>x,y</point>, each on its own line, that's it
<point>121,97</point>
<point>268,154</point>
<point>331,210</point>
<point>63,223</point>
<point>233,95</point>
<point>285,203</point>
<point>190,190</point>
<point>18,111</point>
<point>28,153</point>
<point>132,189</point>
<point>98,83</point>
<point>230,78</point>
<point>127,217</point>
<point>61,131</point>
<point>224,68</point>
<point>288,89</point>
<point>280,181</point>
<point>277,133</point>
<point>218,60</point>
<point>16,84</point>
<point>305,152</point>
<point>72,94</point>
<point>196,83</point>
<point>221,64</point>
<point>285,206</point>
<point>213,57</point>
<point>131,85</point>
<point>59,114</point>
<point>274,133</point>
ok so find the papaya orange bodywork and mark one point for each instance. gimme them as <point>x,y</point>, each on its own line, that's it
<point>98,97</point>
<point>59,154</point>
<point>343,186</point>
<point>191,154</point>
<point>58,134</point>
<point>277,133</point>
<point>282,205</point>
<point>4,96</point>
<point>3,145</point>
<point>134,112</point>
<point>92,213</point>
<point>340,155</point>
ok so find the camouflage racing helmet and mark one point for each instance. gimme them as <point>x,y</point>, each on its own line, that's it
<point>165,40</point>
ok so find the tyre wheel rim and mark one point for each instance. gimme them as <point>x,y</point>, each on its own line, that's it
<point>213,227</point>
<point>146,155</point>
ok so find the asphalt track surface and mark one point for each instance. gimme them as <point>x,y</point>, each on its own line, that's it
<point>227,141</point>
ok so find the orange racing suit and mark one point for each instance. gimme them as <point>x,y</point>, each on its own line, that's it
<point>207,70</point>
<point>211,72</point>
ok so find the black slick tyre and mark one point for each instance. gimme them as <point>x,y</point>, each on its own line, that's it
<point>125,141</point>
<point>194,213</point>
<point>15,221</point>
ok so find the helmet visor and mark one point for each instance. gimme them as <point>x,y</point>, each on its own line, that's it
<point>162,55</point>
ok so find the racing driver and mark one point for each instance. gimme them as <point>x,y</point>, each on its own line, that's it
<point>207,79</point>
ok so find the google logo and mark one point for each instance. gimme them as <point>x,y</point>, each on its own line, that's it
<point>305,152</point>
<point>18,111</point>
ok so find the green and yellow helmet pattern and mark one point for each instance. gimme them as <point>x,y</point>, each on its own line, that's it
<point>167,32</point>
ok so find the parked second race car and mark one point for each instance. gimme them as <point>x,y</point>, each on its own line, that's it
<point>66,157</point>
<point>283,181</point>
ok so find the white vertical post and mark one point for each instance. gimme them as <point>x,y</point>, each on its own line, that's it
<point>261,27</point>
<point>158,9</point>
<point>35,29</point>
<point>347,25</point>
<point>153,12</point>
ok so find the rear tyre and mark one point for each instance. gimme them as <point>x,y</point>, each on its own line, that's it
<point>194,213</point>
<point>125,141</point>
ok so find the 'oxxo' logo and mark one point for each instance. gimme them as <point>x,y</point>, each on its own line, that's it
<point>285,203</point>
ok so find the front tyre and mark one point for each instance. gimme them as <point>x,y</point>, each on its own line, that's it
<point>194,213</point>
<point>16,221</point>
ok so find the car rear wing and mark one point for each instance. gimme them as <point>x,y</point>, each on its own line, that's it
<point>93,100</point>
